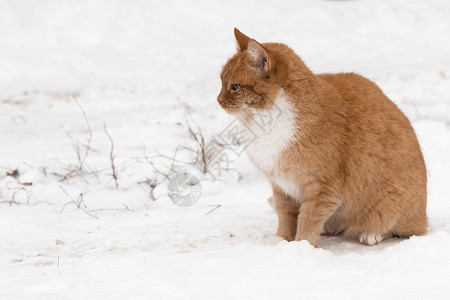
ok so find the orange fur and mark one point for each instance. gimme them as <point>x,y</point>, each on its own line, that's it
<point>354,155</point>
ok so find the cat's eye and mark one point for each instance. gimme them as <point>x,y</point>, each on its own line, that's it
<point>235,87</point>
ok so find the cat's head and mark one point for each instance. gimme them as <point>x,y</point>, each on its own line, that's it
<point>252,78</point>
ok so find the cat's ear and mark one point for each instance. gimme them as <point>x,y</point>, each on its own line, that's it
<point>258,56</point>
<point>241,39</point>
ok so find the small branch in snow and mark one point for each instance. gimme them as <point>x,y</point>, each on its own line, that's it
<point>59,271</point>
<point>79,203</point>
<point>169,170</point>
<point>152,183</point>
<point>200,140</point>
<point>111,156</point>
<point>125,207</point>
<point>80,169</point>
<point>216,207</point>
<point>82,158</point>
<point>15,191</point>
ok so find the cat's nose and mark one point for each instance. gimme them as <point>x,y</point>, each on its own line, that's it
<point>219,99</point>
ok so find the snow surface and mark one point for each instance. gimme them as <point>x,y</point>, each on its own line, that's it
<point>138,67</point>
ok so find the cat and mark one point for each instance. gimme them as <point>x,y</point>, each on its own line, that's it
<point>341,157</point>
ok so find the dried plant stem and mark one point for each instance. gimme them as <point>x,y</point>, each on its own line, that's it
<point>79,203</point>
<point>59,271</point>
<point>216,207</point>
<point>200,140</point>
<point>87,146</point>
<point>111,156</point>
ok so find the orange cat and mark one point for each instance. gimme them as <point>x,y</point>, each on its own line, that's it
<point>341,157</point>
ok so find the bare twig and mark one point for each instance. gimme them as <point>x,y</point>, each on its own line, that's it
<point>17,190</point>
<point>59,271</point>
<point>21,188</point>
<point>11,202</point>
<point>200,140</point>
<point>82,158</point>
<point>152,183</point>
<point>216,207</point>
<point>125,207</point>
<point>81,169</point>
<point>79,203</point>
<point>169,171</point>
<point>111,156</point>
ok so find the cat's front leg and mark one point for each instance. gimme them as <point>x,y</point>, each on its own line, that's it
<point>287,210</point>
<point>314,212</point>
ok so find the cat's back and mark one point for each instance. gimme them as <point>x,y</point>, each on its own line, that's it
<point>354,88</point>
<point>372,118</point>
<point>366,105</point>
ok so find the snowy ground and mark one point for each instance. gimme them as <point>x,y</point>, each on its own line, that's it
<point>139,67</point>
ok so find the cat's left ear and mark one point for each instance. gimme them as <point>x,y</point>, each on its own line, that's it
<point>241,39</point>
<point>259,57</point>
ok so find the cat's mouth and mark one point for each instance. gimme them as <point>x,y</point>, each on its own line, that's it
<point>229,108</point>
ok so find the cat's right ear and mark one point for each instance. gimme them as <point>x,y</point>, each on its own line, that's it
<point>241,39</point>
<point>259,57</point>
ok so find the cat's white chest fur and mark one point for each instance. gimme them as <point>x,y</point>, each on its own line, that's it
<point>271,132</point>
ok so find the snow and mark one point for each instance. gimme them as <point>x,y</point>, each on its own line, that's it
<point>138,66</point>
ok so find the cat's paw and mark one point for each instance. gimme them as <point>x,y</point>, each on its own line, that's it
<point>370,239</point>
<point>287,236</point>
<point>286,233</point>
